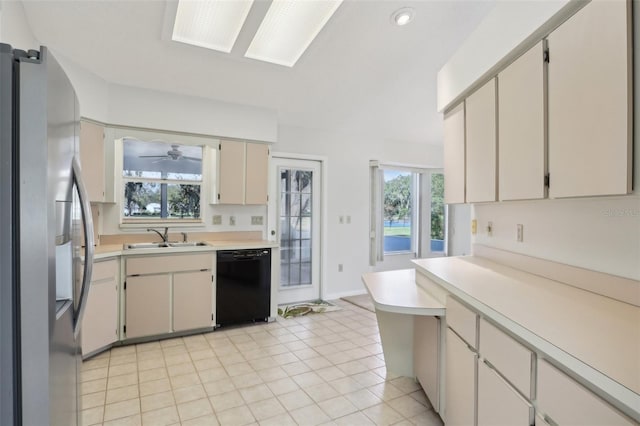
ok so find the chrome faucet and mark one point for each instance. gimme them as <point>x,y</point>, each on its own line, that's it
<point>165,236</point>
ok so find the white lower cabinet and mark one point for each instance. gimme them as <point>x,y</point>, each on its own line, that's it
<point>192,306</point>
<point>498,403</point>
<point>166,294</point>
<point>147,305</point>
<point>100,322</point>
<point>461,364</point>
<point>566,402</point>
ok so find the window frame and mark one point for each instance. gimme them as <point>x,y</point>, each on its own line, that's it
<point>128,221</point>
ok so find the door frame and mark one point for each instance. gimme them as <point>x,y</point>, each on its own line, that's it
<point>273,208</point>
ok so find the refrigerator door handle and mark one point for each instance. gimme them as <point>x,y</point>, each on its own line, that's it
<point>89,250</point>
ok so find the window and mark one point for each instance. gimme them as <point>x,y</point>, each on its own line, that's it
<point>399,205</point>
<point>408,215</point>
<point>161,181</point>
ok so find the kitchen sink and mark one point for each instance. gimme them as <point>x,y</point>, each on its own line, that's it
<point>164,245</point>
<point>188,244</point>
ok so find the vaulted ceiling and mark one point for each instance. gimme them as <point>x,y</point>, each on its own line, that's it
<point>362,73</point>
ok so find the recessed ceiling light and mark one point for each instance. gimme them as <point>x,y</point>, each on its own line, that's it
<point>288,29</point>
<point>210,24</point>
<point>402,16</point>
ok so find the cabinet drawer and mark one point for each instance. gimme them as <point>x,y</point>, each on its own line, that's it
<point>170,263</point>
<point>509,357</point>
<point>498,403</point>
<point>568,403</point>
<point>462,320</point>
<point>104,270</point>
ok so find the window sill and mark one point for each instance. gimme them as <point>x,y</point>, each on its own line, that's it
<point>142,223</point>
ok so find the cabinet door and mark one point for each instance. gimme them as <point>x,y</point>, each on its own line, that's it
<point>521,127</point>
<point>192,295</point>
<point>100,322</point>
<point>481,144</point>
<point>257,180</point>
<point>232,172</point>
<point>92,159</point>
<point>568,403</point>
<point>147,305</point>
<point>426,356</point>
<point>590,98</point>
<point>498,403</point>
<point>460,383</point>
<point>454,156</point>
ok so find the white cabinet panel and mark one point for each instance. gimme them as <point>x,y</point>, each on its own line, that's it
<point>232,168</point>
<point>257,173</point>
<point>460,391</point>
<point>148,300</point>
<point>568,403</point>
<point>521,127</point>
<point>192,296</point>
<point>498,403</point>
<point>509,357</point>
<point>462,320</point>
<point>590,98</point>
<point>426,356</point>
<point>92,159</point>
<point>481,144</point>
<point>454,156</point>
<point>100,322</point>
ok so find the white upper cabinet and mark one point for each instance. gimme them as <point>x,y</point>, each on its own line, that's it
<point>590,101</point>
<point>454,166</point>
<point>481,176</point>
<point>243,173</point>
<point>92,159</point>
<point>521,127</point>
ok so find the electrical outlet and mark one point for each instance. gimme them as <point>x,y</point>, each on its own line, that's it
<point>257,220</point>
<point>490,229</point>
<point>339,267</point>
<point>520,233</point>
<point>217,219</point>
<point>474,227</point>
<point>341,220</point>
<point>232,220</point>
<point>348,220</point>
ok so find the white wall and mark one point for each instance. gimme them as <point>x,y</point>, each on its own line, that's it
<point>14,28</point>
<point>348,158</point>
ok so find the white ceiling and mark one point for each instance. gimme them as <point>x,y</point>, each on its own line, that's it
<point>361,73</point>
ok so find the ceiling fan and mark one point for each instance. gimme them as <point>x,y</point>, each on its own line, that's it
<point>173,154</point>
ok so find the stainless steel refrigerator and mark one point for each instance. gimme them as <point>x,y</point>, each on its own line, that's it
<point>44,211</point>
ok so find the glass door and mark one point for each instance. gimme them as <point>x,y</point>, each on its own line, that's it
<point>297,217</point>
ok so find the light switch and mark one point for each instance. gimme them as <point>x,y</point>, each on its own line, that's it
<point>232,220</point>
<point>474,227</point>
<point>217,219</point>
<point>520,233</point>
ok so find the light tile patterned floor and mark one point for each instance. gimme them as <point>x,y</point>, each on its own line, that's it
<point>318,369</point>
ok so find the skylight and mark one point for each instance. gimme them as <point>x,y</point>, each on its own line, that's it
<point>288,29</point>
<point>210,24</point>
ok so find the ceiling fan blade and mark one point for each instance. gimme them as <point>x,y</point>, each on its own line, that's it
<point>151,156</point>
<point>191,158</point>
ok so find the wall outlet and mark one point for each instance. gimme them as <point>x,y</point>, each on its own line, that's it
<point>490,228</point>
<point>257,220</point>
<point>339,267</point>
<point>520,233</point>
<point>348,220</point>
<point>217,219</point>
<point>232,220</point>
<point>341,220</point>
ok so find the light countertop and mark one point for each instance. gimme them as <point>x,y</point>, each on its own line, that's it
<point>111,250</point>
<point>580,329</point>
<point>397,292</point>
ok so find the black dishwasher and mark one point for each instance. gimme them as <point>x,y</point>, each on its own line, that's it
<point>243,286</point>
